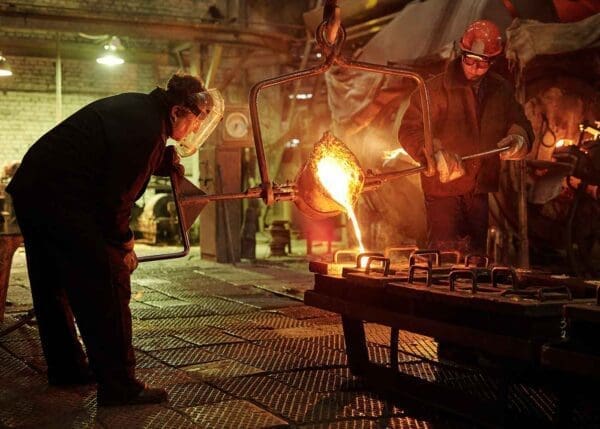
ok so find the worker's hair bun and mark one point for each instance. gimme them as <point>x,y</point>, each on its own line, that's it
<point>184,84</point>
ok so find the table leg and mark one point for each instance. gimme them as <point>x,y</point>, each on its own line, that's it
<point>356,345</point>
<point>8,247</point>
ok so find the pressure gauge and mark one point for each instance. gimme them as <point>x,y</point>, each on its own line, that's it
<point>237,125</point>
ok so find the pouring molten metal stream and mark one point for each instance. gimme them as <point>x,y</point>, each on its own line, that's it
<point>340,175</point>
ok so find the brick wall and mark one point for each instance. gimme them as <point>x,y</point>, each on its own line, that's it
<point>28,100</point>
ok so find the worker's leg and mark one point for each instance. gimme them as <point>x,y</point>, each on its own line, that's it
<point>442,222</point>
<point>476,215</point>
<point>64,355</point>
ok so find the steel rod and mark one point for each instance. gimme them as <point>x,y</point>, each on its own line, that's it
<point>376,180</point>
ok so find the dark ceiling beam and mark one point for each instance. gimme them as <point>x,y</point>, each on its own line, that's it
<point>74,51</point>
<point>355,12</point>
<point>18,19</point>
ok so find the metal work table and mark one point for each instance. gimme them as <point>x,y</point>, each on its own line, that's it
<point>426,311</point>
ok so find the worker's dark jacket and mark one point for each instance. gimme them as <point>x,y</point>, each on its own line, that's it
<point>98,160</point>
<point>465,126</point>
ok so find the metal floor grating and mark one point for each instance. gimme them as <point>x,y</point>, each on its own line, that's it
<point>183,357</point>
<point>239,351</point>
<point>38,408</point>
<point>220,369</point>
<point>305,312</point>
<point>320,380</point>
<point>11,366</point>
<point>479,385</point>
<point>170,304</point>
<point>377,334</point>
<point>193,394</point>
<point>381,355</point>
<point>260,357</point>
<point>267,302</point>
<point>38,363</point>
<point>301,407</point>
<point>241,290</point>
<point>277,361</point>
<point>136,305</point>
<point>317,356</point>
<point>24,348</point>
<point>335,342</point>
<point>531,401</point>
<point>162,376</point>
<point>269,319</point>
<point>175,323</point>
<point>144,360</point>
<point>252,386</point>
<point>370,404</point>
<point>149,344</point>
<point>333,321</point>
<point>153,416</point>
<point>144,296</point>
<point>429,371</point>
<point>222,306</point>
<point>208,336</point>
<point>179,311</point>
<point>254,334</point>
<point>24,333</point>
<point>236,414</point>
<point>357,423</point>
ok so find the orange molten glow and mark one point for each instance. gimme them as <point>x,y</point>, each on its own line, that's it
<point>341,176</point>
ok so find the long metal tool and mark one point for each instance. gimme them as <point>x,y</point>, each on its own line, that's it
<point>375,181</point>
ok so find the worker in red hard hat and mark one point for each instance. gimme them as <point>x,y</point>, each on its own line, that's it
<point>472,110</point>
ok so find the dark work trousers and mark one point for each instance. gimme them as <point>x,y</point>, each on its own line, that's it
<point>71,273</point>
<point>458,222</point>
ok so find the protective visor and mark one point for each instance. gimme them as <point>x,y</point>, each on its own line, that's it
<point>209,108</point>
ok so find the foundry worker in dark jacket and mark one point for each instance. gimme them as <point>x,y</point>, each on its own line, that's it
<point>472,110</point>
<point>73,196</point>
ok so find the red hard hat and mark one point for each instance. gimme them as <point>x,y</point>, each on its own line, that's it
<point>482,38</point>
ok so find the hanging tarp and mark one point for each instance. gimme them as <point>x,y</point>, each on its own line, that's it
<point>527,39</point>
<point>422,30</point>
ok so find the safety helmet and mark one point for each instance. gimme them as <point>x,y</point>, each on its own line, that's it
<point>482,38</point>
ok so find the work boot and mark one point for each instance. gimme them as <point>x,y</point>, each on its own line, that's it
<point>136,393</point>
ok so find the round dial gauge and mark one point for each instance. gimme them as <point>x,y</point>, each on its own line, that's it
<point>237,125</point>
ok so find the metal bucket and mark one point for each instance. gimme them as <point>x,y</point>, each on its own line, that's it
<point>313,199</point>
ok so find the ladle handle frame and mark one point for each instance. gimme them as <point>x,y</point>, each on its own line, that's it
<point>332,58</point>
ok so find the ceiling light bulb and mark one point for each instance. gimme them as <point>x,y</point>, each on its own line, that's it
<point>109,57</point>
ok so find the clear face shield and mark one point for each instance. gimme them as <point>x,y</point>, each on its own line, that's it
<point>215,106</point>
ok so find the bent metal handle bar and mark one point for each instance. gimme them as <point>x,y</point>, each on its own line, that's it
<point>332,58</point>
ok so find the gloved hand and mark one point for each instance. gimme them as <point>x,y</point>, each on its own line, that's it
<point>518,148</point>
<point>169,163</point>
<point>449,165</point>
<point>123,255</point>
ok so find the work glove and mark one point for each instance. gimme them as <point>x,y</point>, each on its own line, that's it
<point>170,163</point>
<point>518,148</point>
<point>449,165</point>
